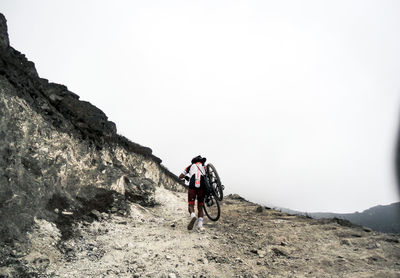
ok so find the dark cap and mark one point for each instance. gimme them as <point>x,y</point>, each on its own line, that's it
<point>199,159</point>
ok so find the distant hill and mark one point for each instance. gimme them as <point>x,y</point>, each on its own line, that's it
<point>379,218</point>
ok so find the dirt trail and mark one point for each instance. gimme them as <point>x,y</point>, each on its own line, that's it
<point>248,241</point>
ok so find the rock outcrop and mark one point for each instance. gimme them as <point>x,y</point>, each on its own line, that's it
<point>61,158</point>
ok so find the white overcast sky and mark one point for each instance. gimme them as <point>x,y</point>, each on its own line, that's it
<point>296,103</point>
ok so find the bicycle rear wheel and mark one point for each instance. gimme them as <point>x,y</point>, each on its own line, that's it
<point>215,181</point>
<point>211,207</point>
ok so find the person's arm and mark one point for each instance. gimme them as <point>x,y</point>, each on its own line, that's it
<point>184,173</point>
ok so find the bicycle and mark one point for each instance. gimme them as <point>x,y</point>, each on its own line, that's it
<point>214,193</point>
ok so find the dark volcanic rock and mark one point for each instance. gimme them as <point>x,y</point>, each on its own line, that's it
<point>83,114</point>
<point>4,42</point>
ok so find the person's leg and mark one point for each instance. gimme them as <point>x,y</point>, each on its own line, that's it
<point>200,201</point>
<point>191,209</point>
<point>200,204</point>
<point>191,200</point>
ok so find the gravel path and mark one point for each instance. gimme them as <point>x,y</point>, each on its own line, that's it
<point>248,241</point>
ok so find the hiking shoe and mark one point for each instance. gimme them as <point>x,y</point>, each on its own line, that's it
<point>191,223</point>
<point>201,229</point>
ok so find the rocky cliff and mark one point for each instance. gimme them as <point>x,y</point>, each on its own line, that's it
<point>60,158</point>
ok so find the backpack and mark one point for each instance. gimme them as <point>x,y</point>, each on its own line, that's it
<point>207,184</point>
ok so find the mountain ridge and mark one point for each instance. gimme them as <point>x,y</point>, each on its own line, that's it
<point>382,218</point>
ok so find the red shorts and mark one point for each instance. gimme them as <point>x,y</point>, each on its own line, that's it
<point>193,193</point>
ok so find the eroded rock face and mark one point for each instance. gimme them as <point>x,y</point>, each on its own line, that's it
<point>60,158</point>
<point>4,42</point>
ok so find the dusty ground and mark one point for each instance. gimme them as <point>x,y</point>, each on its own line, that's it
<point>154,242</point>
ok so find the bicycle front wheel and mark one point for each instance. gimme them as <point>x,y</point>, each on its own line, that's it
<point>215,181</point>
<point>211,207</point>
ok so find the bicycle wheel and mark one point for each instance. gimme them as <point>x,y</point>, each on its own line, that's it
<point>215,181</point>
<point>211,207</point>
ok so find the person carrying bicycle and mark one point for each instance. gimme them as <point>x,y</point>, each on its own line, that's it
<point>195,172</point>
